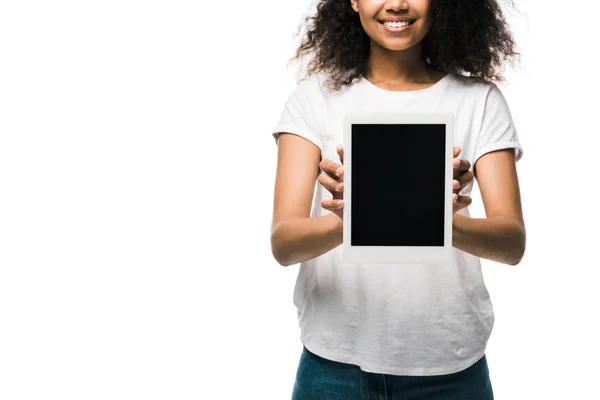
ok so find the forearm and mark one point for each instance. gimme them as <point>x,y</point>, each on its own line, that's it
<point>300,239</point>
<point>498,239</point>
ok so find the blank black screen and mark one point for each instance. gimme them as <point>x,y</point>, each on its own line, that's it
<point>398,178</point>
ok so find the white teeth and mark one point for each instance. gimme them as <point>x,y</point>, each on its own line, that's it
<point>396,24</point>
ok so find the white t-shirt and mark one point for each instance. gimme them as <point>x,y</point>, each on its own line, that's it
<point>404,319</point>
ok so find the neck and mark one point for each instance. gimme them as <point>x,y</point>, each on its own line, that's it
<point>400,66</point>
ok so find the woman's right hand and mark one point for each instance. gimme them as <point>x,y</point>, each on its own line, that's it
<point>332,178</point>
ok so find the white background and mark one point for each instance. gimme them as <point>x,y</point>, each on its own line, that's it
<point>136,185</point>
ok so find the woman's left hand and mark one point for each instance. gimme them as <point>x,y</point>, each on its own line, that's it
<point>462,177</point>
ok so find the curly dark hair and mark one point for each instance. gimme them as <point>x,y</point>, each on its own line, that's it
<point>467,38</point>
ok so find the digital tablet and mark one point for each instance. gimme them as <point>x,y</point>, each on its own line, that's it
<point>398,187</point>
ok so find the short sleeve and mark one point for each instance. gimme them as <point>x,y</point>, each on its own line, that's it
<point>497,128</point>
<point>302,111</point>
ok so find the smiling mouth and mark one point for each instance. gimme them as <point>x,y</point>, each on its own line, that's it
<point>397,24</point>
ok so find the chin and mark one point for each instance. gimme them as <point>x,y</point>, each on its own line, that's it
<point>396,46</point>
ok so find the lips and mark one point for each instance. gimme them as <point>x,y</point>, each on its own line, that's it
<point>397,24</point>
<point>397,27</point>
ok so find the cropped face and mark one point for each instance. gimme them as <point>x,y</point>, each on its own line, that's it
<point>394,24</point>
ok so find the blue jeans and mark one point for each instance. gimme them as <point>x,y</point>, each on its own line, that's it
<point>318,378</point>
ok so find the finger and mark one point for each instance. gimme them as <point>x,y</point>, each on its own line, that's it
<point>340,150</point>
<point>457,207</point>
<point>462,200</point>
<point>330,183</point>
<point>329,167</point>
<point>460,165</point>
<point>456,151</point>
<point>332,204</point>
<point>463,180</point>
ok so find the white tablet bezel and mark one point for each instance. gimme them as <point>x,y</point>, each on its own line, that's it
<point>397,254</point>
